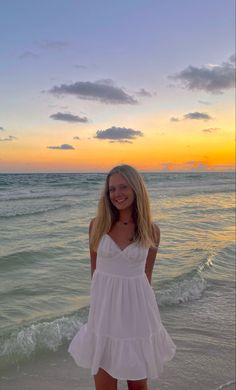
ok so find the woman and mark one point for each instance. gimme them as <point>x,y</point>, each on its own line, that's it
<point>124,337</point>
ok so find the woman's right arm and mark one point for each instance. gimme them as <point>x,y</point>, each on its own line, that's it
<point>93,255</point>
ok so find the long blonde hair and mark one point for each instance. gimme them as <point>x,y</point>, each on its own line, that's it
<point>107,214</point>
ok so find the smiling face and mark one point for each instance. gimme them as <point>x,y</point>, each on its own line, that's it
<point>120,192</point>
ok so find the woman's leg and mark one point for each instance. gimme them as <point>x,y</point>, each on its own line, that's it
<point>104,381</point>
<point>137,385</point>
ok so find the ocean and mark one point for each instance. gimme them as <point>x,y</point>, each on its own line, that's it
<point>45,276</point>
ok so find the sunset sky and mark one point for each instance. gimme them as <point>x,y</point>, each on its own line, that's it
<point>86,85</point>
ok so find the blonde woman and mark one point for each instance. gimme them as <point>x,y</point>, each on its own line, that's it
<point>124,338</point>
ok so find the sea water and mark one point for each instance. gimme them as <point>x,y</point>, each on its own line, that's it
<point>45,267</point>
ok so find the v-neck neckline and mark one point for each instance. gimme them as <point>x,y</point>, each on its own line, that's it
<point>120,249</point>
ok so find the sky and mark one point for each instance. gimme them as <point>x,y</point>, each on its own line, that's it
<point>87,85</point>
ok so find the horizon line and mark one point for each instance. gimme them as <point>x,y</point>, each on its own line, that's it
<point>105,172</point>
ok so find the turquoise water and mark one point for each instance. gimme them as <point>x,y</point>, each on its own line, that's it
<point>45,266</point>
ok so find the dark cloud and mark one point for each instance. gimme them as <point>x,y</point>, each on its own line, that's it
<point>211,130</point>
<point>67,117</point>
<point>121,141</point>
<point>118,134</point>
<point>62,147</point>
<point>28,55</point>
<point>144,92</point>
<point>212,78</point>
<point>198,116</point>
<point>52,45</point>
<point>76,137</point>
<point>192,115</point>
<point>101,90</point>
<point>1,128</point>
<point>9,138</point>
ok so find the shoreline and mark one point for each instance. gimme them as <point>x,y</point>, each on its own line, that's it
<point>58,371</point>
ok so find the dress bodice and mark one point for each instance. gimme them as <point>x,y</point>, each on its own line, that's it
<point>127,262</point>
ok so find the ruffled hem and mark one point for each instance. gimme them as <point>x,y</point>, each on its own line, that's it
<point>123,359</point>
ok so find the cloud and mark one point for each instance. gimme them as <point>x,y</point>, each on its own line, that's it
<point>101,90</point>
<point>76,137</point>
<point>144,92</point>
<point>121,141</point>
<point>204,102</point>
<point>9,138</point>
<point>193,115</point>
<point>67,117</point>
<point>28,55</point>
<point>2,128</point>
<point>52,45</point>
<point>196,164</point>
<point>62,147</point>
<point>118,134</point>
<point>188,166</point>
<point>83,67</point>
<point>209,78</point>
<point>198,116</point>
<point>211,130</point>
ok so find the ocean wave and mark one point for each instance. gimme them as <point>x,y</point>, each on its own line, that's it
<point>182,291</point>
<point>32,195</point>
<point>227,384</point>
<point>22,258</point>
<point>187,287</point>
<point>50,335</point>
<point>22,213</point>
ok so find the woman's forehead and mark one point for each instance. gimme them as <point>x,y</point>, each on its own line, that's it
<point>116,179</point>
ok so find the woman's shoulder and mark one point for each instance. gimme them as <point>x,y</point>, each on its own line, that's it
<point>91,223</point>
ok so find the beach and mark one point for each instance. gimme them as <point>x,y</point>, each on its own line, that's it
<point>45,277</point>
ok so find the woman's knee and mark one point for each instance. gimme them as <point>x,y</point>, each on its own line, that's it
<point>103,380</point>
<point>137,385</point>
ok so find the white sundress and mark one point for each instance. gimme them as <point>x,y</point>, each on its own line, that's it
<point>124,334</point>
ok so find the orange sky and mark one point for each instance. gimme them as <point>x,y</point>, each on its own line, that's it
<point>85,96</point>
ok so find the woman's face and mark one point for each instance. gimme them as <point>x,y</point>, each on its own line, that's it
<point>120,193</point>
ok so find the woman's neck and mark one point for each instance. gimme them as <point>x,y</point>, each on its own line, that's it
<point>125,216</point>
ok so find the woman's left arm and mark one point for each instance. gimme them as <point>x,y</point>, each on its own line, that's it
<point>151,257</point>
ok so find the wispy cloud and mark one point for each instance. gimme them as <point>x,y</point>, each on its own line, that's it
<point>198,116</point>
<point>76,137</point>
<point>101,90</point>
<point>67,117</point>
<point>52,45</point>
<point>209,78</point>
<point>211,130</point>
<point>197,165</point>
<point>119,134</point>
<point>144,92</point>
<point>204,102</point>
<point>189,166</point>
<point>83,67</point>
<point>28,55</point>
<point>9,138</point>
<point>62,147</point>
<point>192,115</point>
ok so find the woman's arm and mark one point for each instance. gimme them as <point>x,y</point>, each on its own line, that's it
<point>152,255</point>
<point>93,255</point>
